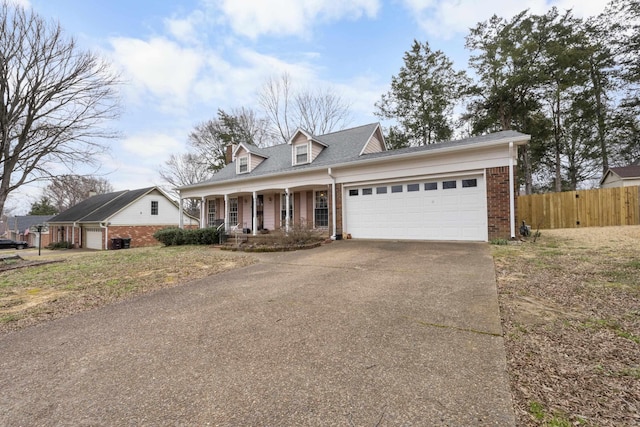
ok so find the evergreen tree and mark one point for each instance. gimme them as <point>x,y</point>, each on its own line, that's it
<point>43,207</point>
<point>423,95</point>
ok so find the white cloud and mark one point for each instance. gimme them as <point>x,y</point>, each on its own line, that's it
<point>159,66</point>
<point>24,3</point>
<point>186,29</point>
<point>253,18</point>
<point>446,18</point>
<point>151,147</point>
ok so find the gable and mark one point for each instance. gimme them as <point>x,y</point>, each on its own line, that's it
<point>375,144</point>
<point>140,211</point>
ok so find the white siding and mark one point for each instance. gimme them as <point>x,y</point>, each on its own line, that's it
<point>139,212</point>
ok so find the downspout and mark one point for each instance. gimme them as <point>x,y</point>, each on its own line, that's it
<point>181,212</point>
<point>333,204</point>
<point>512,214</point>
<point>203,214</point>
<point>105,226</point>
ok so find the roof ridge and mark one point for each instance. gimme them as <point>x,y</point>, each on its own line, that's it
<point>349,129</point>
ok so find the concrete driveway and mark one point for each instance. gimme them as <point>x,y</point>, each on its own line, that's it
<point>355,333</point>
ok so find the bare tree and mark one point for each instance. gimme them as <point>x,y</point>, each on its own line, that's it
<point>65,191</point>
<point>185,169</point>
<point>209,139</point>
<point>275,100</point>
<point>318,111</point>
<point>55,98</point>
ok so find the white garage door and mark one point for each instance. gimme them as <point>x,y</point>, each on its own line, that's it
<point>94,238</point>
<point>438,209</point>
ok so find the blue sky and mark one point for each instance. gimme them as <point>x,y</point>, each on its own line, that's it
<point>182,60</point>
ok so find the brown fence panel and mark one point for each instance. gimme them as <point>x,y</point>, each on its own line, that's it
<point>585,208</point>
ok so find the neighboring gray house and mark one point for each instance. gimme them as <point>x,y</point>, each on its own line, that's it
<point>133,214</point>
<point>18,228</point>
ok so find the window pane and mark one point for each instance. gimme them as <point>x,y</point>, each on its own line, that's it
<point>243,164</point>
<point>448,184</point>
<point>396,188</point>
<point>367,191</point>
<point>233,212</point>
<point>353,192</point>
<point>413,187</point>
<point>211,211</point>
<point>321,212</point>
<point>466,183</point>
<point>381,190</point>
<point>428,186</point>
<point>301,154</point>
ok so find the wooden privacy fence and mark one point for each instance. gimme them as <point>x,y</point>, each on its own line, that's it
<point>585,208</point>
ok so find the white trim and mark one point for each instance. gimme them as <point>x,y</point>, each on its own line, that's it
<point>307,146</point>
<point>255,213</point>
<point>384,146</point>
<point>239,164</point>
<point>512,218</point>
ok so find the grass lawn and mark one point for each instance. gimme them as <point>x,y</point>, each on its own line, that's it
<point>570,307</point>
<point>84,280</point>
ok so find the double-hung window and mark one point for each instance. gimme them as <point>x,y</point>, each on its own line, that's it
<point>154,207</point>
<point>302,154</point>
<point>243,164</point>
<point>211,211</point>
<point>233,211</point>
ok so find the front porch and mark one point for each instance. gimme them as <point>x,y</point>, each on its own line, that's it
<point>258,212</point>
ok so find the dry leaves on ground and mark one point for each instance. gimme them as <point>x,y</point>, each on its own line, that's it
<point>90,279</point>
<point>570,305</point>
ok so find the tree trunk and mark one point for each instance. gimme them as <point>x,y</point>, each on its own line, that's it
<point>557,138</point>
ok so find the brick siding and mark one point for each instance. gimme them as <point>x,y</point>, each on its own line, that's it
<point>338,230</point>
<point>140,235</point>
<point>498,219</point>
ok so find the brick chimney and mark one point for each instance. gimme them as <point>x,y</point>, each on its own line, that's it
<point>228,155</point>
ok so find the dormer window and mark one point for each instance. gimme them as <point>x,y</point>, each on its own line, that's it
<point>243,164</point>
<point>302,154</point>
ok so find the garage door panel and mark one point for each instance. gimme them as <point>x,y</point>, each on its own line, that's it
<point>94,238</point>
<point>441,214</point>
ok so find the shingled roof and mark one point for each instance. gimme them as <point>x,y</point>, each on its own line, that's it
<point>22,223</point>
<point>342,147</point>
<point>632,171</point>
<point>100,207</point>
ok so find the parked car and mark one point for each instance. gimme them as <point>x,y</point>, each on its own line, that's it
<point>8,244</point>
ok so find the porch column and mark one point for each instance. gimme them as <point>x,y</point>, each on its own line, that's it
<point>512,208</point>
<point>288,212</point>
<point>181,213</point>
<point>226,212</point>
<point>203,211</point>
<point>255,213</point>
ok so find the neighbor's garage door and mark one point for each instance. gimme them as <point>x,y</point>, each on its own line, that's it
<point>439,209</point>
<point>94,238</point>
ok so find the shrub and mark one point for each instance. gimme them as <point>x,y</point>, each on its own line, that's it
<point>59,245</point>
<point>177,236</point>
